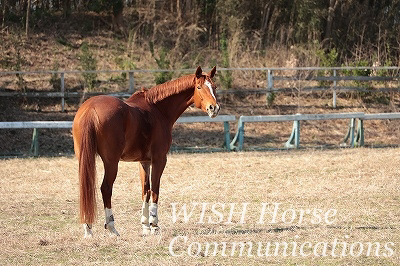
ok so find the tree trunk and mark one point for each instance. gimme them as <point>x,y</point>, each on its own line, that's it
<point>4,13</point>
<point>67,8</point>
<point>329,21</point>
<point>28,11</point>
<point>178,9</point>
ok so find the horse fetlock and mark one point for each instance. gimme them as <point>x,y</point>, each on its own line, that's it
<point>88,230</point>
<point>144,220</point>
<point>153,220</point>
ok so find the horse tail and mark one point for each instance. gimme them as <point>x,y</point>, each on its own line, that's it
<point>87,169</point>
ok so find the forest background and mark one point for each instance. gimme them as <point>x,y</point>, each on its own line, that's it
<point>171,34</point>
<point>182,34</point>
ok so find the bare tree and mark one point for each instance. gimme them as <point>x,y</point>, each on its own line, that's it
<point>28,11</point>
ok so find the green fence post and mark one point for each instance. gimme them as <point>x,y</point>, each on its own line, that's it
<point>35,142</point>
<point>294,139</point>
<point>236,137</point>
<point>352,138</point>
<point>227,136</point>
<point>360,133</point>
<point>241,135</point>
<point>297,138</point>
<point>349,134</point>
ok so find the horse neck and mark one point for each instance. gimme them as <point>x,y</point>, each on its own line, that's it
<point>174,105</point>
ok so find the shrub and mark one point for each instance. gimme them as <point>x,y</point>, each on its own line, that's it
<point>19,62</point>
<point>327,60</point>
<point>88,62</point>
<point>163,63</point>
<point>225,77</point>
<point>55,80</point>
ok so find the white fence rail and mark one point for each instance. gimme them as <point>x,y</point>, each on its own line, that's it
<point>356,138</point>
<point>36,125</point>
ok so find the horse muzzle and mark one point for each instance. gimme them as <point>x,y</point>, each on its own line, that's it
<point>213,110</point>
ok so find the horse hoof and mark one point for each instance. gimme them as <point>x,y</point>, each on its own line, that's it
<point>88,235</point>
<point>154,230</point>
<point>145,230</point>
<point>112,230</point>
<point>88,231</point>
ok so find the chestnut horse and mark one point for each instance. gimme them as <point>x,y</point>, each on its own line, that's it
<point>138,129</point>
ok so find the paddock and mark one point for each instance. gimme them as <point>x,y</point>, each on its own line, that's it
<point>358,188</point>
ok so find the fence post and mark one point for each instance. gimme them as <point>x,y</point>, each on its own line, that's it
<point>334,89</point>
<point>359,141</point>
<point>236,137</point>
<point>294,139</point>
<point>131,82</point>
<point>35,142</point>
<point>227,136</point>
<point>240,134</point>
<point>349,134</point>
<point>352,122</point>
<point>62,92</point>
<point>270,84</point>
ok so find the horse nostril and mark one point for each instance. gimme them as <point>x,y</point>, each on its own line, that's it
<point>211,108</point>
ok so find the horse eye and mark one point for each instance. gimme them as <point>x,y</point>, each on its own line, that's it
<point>199,88</point>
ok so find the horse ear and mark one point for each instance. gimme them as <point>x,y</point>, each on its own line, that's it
<point>199,72</point>
<point>212,72</point>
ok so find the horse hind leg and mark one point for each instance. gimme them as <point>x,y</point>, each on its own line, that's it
<point>110,222</point>
<point>110,174</point>
<point>88,230</point>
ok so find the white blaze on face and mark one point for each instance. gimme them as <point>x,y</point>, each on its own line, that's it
<point>208,84</point>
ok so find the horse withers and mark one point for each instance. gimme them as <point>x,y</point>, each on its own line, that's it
<point>138,129</point>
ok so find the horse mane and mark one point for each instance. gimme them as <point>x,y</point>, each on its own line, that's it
<point>162,91</point>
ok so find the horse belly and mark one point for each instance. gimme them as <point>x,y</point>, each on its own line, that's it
<point>137,146</point>
<point>135,154</point>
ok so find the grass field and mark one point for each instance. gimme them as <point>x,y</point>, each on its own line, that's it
<point>329,207</point>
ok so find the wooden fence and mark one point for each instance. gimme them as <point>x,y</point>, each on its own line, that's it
<point>310,74</point>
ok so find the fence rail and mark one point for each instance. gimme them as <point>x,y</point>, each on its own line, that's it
<point>356,138</point>
<point>269,88</point>
<point>355,134</point>
<point>36,125</point>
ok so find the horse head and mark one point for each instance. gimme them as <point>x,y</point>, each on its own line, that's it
<point>204,92</point>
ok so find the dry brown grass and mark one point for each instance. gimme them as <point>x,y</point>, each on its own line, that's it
<point>40,225</point>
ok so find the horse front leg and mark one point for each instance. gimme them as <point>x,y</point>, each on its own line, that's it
<point>157,168</point>
<point>144,170</point>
